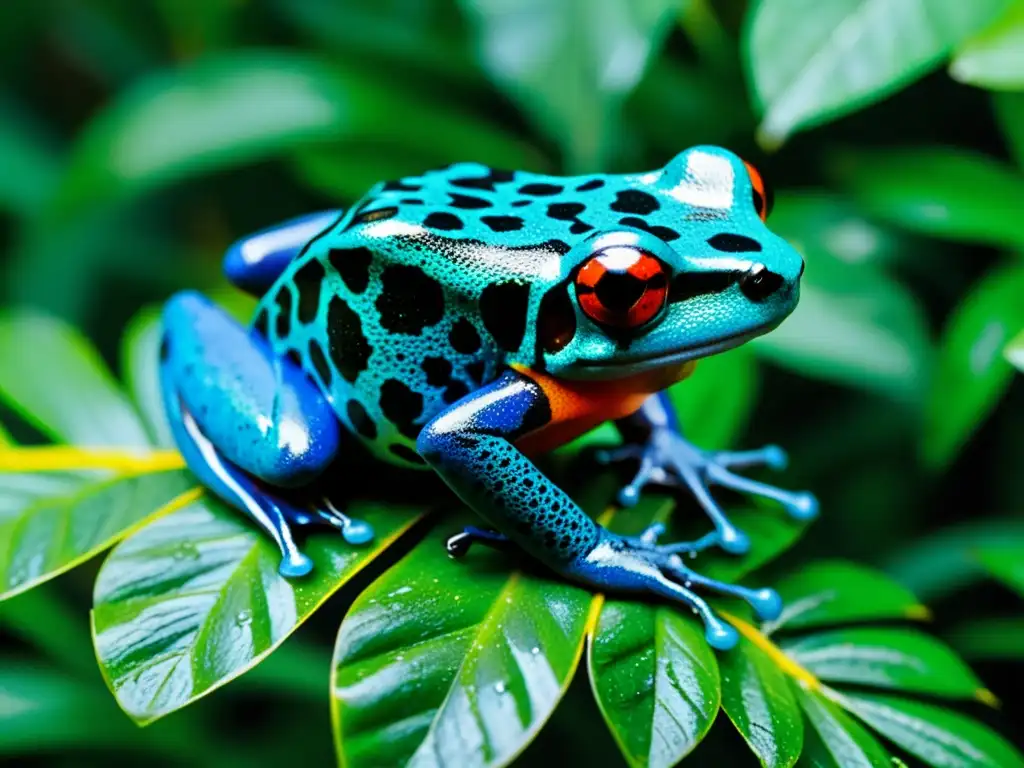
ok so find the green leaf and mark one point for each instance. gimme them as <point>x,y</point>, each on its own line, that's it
<point>194,600</point>
<point>845,54</point>
<point>989,639</point>
<point>835,740</point>
<point>655,679</point>
<point>869,333</point>
<point>937,736</point>
<point>995,57</point>
<point>1009,109</point>
<point>569,64</point>
<point>54,378</point>
<point>42,536</point>
<point>1006,563</point>
<point>453,663</point>
<point>237,108</point>
<point>901,659</point>
<point>758,698</point>
<point>972,373</point>
<point>833,592</point>
<point>771,533</point>
<point>715,403</point>
<point>140,358</point>
<point>938,191</point>
<point>1014,352</point>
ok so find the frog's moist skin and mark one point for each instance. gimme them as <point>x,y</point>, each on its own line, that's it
<point>468,319</point>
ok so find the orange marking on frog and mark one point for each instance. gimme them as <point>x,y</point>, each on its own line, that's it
<point>579,406</point>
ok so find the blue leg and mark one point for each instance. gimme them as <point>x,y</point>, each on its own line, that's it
<point>255,262</point>
<point>666,458</point>
<point>459,544</point>
<point>248,424</point>
<point>472,446</point>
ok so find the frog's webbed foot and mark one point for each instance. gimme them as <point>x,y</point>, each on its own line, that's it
<point>640,564</point>
<point>669,459</point>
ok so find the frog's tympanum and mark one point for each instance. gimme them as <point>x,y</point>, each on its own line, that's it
<point>465,321</point>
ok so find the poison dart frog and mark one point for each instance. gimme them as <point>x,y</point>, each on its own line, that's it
<point>468,319</point>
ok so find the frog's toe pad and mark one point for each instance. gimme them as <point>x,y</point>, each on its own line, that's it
<point>295,565</point>
<point>357,532</point>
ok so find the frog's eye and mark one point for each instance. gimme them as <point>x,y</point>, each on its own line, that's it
<point>622,287</point>
<point>762,193</point>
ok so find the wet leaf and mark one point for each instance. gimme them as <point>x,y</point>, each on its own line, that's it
<point>194,600</point>
<point>453,663</point>
<point>902,659</point>
<point>939,737</point>
<point>972,373</point>
<point>833,592</point>
<point>758,698</point>
<point>46,530</point>
<point>846,53</point>
<point>655,679</point>
<point>836,740</point>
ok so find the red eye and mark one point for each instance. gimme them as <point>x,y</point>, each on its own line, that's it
<point>760,191</point>
<point>622,287</point>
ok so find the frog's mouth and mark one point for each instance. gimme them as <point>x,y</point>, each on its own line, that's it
<point>649,361</point>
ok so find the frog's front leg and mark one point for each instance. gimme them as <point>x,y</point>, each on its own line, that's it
<point>653,437</point>
<point>250,425</point>
<point>472,445</point>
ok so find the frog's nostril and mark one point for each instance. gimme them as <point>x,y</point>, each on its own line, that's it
<point>734,243</point>
<point>760,283</point>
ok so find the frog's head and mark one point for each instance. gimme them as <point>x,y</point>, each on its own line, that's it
<point>699,273</point>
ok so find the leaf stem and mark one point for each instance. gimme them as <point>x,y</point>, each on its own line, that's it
<point>68,458</point>
<point>776,654</point>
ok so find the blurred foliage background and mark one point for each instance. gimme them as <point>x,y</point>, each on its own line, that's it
<point>138,139</point>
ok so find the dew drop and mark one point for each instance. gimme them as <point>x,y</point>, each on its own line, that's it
<point>499,687</point>
<point>244,618</point>
<point>535,650</point>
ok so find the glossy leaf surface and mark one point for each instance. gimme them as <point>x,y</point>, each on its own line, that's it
<point>758,697</point>
<point>834,592</point>
<point>833,739</point>
<point>939,737</point>
<point>194,600</point>
<point>1014,352</point>
<point>810,61</point>
<point>902,659</point>
<point>453,663</point>
<point>656,680</point>
<point>46,529</point>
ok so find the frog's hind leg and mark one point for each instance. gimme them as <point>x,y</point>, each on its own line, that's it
<point>251,426</point>
<point>255,262</point>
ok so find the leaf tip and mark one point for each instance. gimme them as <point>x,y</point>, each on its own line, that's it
<point>986,697</point>
<point>919,612</point>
